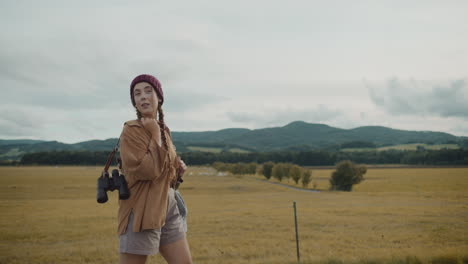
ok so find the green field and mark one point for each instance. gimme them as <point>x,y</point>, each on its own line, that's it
<point>11,152</point>
<point>407,147</point>
<point>238,150</point>
<point>205,149</point>
<point>216,150</point>
<point>49,215</point>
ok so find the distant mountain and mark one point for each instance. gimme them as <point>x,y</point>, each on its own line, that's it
<point>14,149</point>
<point>297,135</point>
<point>19,141</point>
<point>301,135</point>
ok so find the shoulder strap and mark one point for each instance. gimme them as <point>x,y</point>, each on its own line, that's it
<point>111,156</point>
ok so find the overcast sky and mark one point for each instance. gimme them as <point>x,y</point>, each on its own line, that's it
<point>66,66</point>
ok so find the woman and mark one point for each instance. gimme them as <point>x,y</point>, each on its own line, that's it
<point>149,221</point>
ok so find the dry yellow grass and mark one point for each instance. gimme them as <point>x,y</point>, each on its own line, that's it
<point>49,215</point>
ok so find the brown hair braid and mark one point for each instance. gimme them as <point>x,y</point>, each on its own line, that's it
<point>162,126</point>
<point>139,116</point>
<point>161,123</point>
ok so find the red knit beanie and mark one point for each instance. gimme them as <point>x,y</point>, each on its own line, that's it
<point>151,80</point>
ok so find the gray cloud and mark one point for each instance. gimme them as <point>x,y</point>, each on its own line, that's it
<point>36,79</point>
<point>320,114</point>
<point>16,122</point>
<point>189,101</point>
<point>67,62</point>
<point>12,130</point>
<point>241,117</point>
<point>422,98</point>
<point>76,59</point>
<point>460,129</point>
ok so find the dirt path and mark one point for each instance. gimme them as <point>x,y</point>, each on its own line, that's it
<point>290,187</point>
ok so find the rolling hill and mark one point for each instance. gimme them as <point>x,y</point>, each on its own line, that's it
<point>304,135</point>
<point>297,135</point>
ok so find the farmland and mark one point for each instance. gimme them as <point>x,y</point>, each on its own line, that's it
<point>399,215</point>
<point>400,147</point>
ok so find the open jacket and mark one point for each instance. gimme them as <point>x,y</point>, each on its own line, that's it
<point>149,170</point>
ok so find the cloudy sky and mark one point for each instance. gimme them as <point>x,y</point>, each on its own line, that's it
<point>66,66</point>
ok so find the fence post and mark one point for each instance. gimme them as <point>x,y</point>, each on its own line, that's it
<point>297,234</point>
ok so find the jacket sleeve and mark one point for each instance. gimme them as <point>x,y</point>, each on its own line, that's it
<point>141,160</point>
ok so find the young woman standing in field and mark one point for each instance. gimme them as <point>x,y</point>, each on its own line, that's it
<point>149,221</point>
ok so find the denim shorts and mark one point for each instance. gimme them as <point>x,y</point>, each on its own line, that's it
<point>147,242</point>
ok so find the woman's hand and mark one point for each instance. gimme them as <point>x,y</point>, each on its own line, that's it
<point>152,126</point>
<point>182,166</point>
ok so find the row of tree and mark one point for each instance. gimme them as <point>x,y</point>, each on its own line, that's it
<point>236,168</point>
<point>67,158</point>
<point>304,158</point>
<point>343,178</point>
<point>330,158</point>
<point>269,169</point>
<point>282,170</point>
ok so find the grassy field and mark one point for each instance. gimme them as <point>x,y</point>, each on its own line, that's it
<point>407,147</point>
<point>50,215</point>
<point>217,150</point>
<point>205,149</point>
<point>238,150</point>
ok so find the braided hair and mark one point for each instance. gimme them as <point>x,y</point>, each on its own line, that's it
<point>178,180</point>
<point>161,124</point>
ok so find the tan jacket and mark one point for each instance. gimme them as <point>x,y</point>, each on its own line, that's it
<point>149,170</point>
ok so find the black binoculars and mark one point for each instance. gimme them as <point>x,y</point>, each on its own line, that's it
<point>116,182</point>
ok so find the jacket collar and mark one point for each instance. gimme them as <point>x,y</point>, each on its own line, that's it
<point>135,122</point>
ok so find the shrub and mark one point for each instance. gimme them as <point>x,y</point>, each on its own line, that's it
<point>267,169</point>
<point>259,170</point>
<point>295,173</point>
<point>306,178</point>
<point>219,166</point>
<point>279,171</point>
<point>251,168</point>
<point>346,175</point>
<point>286,168</point>
<point>235,168</point>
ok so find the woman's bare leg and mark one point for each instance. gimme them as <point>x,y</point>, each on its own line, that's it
<point>126,258</point>
<point>177,252</point>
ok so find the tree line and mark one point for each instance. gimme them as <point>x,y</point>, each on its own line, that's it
<point>302,158</point>
<point>330,158</point>
<point>343,178</point>
<point>268,169</point>
<point>67,158</point>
